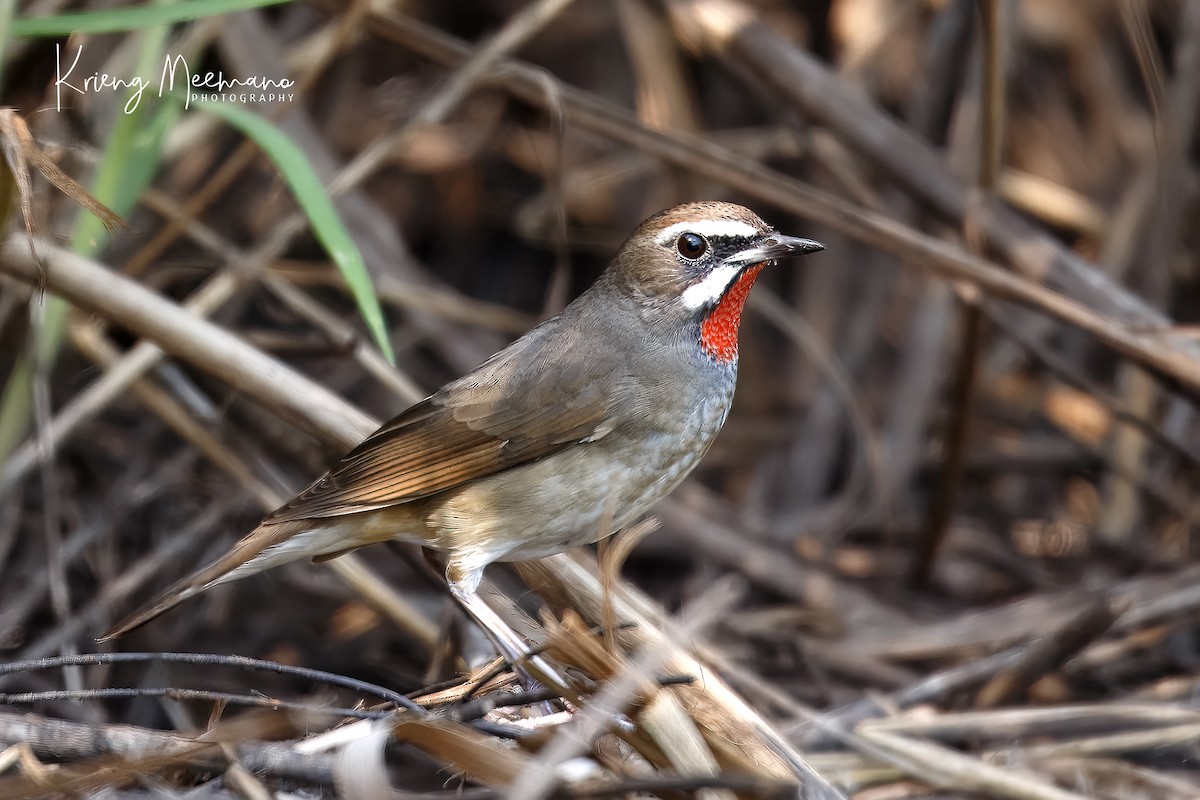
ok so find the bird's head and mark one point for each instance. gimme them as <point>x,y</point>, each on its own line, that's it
<point>693,265</point>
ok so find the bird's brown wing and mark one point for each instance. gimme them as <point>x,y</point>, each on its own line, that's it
<point>497,417</point>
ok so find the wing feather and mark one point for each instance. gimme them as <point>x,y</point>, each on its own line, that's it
<point>496,417</point>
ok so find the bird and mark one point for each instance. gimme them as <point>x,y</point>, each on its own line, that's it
<point>567,435</point>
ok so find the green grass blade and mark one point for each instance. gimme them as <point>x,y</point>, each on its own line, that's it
<point>129,19</point>
<point>130,159</point>
<point>310,194</point>
<point>8,10</point>
<point>16,407</point>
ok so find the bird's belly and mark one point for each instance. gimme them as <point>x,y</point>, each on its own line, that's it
<point>577,496</point>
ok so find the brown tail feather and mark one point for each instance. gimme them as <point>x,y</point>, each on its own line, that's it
<point>243,554</point>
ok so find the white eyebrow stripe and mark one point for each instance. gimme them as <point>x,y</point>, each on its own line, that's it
<point>708,227</point>
<point>709,289</point>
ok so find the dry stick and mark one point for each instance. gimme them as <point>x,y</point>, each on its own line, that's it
<point>736,785</point>
<point>115,381</point>
<point>239,778</point>
<point>91,341</point>
<point>867,469</point>
<point>1006,724</point>
<point>447,303</point>
<point>666,722</point>
<point>968,632</point>
<point>338,331</point>
<point>950,469</point>
<point>253,665</point>
<point>770,568</point>
<point>602,176</point>
<point>329,323</point>
<point>922,360</point>
<point>1178,499</point>
<point>75,740</point>
<point>1047,653</point>
<point>1171,728</point>
<point>1156,353</point>
<point>663,95</point>
<point>945,768</point>
<point>949,475</point>
<point>11,515</point>
<point>83,278</point>
<point>1155,600</point>
<point>1137,781</point>
<point>819,731</point>
<point>1151,240</point>
<point>1184,94</point>
<point>1155,237</point>
<point>1152,742</point>
<point>1072,375</point>
<point>662,719</point>
<point>556,296</point>
<point>1183,97</point>
<point>129,493</point>
<point>179,546</point>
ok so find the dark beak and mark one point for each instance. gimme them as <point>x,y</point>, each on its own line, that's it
<point>773,247</point>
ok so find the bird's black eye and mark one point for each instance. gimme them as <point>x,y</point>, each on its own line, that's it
<point>691,245</point>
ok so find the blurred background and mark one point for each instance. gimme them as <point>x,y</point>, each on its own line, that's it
<point>968,428</point>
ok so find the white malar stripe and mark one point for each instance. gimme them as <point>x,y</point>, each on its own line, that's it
<point>706,228</point>
<point>709,290</point>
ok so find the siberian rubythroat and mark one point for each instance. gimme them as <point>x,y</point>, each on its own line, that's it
<point>566,435</point>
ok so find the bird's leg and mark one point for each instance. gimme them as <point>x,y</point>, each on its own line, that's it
<point>514,649</point>
<point>511,646</point>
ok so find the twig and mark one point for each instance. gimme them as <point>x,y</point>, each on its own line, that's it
<point>174,693</point>
<point>942,767</point>
<point>966,370</point>
<point>213,659</point>
<point>76,740</point>
<point>1048,653</point>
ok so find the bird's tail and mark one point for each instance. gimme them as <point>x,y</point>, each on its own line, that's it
<point>268,545</point>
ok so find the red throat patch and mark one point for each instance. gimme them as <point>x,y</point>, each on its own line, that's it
<point>719,330</point>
